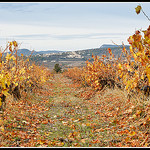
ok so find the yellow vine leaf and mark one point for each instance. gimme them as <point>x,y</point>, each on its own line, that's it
<point>15,43</point>
<point>8,56</point>
<point>13,58</point>
<point>119,66</point>
<point>22,71</point>
<point>142,76</point>
<point>138,9</point>
<point>10,43</point>
<point>13,68</point>
<point>2,128</point>
<point>5,92</point>
<point>128,84</point>
<point>132,133</point>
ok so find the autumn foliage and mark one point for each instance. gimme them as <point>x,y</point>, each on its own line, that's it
<point>18,73</point>
<point>129,73</point>
<point>74,73</point>
<point>104,104</point>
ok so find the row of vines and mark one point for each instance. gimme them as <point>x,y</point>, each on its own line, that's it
<point>18,74</point>
<point>130,74</point>
<point>130,71</point>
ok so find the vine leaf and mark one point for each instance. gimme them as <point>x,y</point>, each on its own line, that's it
<point>138,9</point>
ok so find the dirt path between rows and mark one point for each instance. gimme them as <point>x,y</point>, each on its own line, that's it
<point>75,118</point>
<point>66,114</point>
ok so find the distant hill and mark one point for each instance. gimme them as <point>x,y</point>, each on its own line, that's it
<point>112,46</point>
<point>73,58</point>
<point>88,52</point>
<point>49,51</point>
<point>27,52</point>
<point>70,58</point>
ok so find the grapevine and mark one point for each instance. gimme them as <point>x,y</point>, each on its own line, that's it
<point>18,73</point>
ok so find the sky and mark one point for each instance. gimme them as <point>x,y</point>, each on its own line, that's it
<point>69,26</point>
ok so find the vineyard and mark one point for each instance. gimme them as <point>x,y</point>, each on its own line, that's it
<point>104,104</point>
<point>129,73</point>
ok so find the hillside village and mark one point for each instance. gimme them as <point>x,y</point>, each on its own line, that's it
<point>75,58</point>
<point>69,59</point>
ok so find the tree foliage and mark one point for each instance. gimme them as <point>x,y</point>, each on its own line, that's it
<point>57,68</point>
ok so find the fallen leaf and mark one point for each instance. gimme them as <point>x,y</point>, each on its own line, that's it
<point>132,133</point>
<point>83,140</point>
<point>99,130</point>
<point>2,128</point>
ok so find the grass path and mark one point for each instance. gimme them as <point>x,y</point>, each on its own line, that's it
<point>63,113</point>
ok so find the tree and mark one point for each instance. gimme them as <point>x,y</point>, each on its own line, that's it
<point>57,68</point>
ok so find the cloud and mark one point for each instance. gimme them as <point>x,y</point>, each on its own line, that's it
<point>70,36</point>
<point>63,38</point>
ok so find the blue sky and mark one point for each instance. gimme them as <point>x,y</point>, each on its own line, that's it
<point>69,25</point>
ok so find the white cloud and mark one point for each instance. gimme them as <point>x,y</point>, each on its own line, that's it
<point>60,38</point>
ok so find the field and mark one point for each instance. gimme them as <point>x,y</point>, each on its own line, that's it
<point>105,103</point>
<point>64,113</point>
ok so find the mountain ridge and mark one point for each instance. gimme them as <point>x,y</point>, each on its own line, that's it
<point>70,58</point>
<point>28,52</point>
<point>75,58</point>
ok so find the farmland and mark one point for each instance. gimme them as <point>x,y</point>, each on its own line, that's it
<point>99,99</point>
